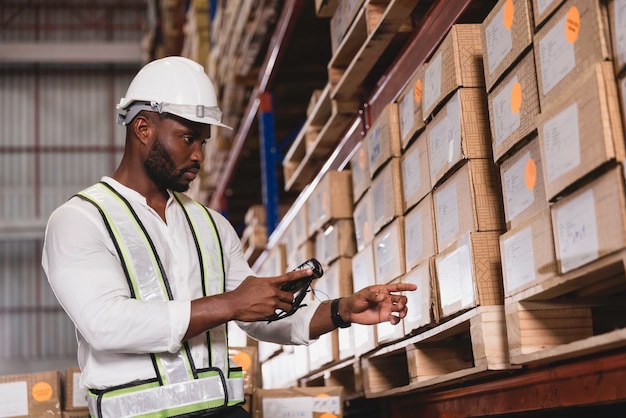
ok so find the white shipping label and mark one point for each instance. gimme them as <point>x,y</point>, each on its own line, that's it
<point>327,405</point>
<point>542,5</point>
<point>79,394</point>
<point>411,173</point>
<point>432,82</point>
<point>374,146</point>
<point>518,195</point>
<point>454,273</point>
<point>406,114</point>
<point>557,56</point>
<point>361,334</point>
<point>499,40</point>
<point>447,213</point>
<point>562,142</point>
<point>454,127</point>
<point>505,120</point>
<point>13,399</point>
<point>386,255</point>
<point>415,298</point>
<point>414,236</point>
<point>519,259</point>
<point>444,139</point>
<point>386,330</point>
<point>620,29</point>
<point>380,199</point>
<point>300,407</point>
<point>577,232</point>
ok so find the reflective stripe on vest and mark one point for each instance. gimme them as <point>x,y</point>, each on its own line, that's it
<point>179,384</point>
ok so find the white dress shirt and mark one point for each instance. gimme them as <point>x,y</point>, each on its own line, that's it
<point>115,332</point>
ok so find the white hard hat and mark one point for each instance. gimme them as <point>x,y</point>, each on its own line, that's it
<point>173,85</point>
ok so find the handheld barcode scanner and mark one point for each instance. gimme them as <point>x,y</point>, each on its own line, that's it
<point>299,288</point>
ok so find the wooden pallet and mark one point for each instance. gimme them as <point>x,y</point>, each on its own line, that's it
<point>346,374</point>
<point>376,26</point>
<point>470,346</point>
<point>571,315</point>
<point>306,156</point>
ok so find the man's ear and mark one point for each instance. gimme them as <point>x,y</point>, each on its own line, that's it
<point>142,128</point>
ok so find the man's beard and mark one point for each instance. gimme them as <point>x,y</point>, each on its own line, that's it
<point>162,170</point>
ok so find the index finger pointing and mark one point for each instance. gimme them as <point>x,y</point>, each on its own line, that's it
<point>401,287</point>
<point>293,275</point>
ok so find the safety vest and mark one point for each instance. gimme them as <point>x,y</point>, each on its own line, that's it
<point>179,387</point>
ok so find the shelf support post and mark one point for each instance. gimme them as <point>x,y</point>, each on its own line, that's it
<point>269,158</point>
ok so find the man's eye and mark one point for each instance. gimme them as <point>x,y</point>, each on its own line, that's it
<point>188,139</point>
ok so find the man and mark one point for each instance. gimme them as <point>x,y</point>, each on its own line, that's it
<point>150,277</point>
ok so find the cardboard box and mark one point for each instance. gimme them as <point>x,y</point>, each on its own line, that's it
<point>415,173</point>
<point>341,21</point>
<point>31,394</point>
<point>420,302</point>
<point>506,34</point>
<point>275,262</point>
<point>571,42</point>
<point>622,96</point>
<point>82,413</point>
<point>542,9</point>
<point>364,221</point>
<point>331,200</point>
<point>456,63</point>
<point>255,215</point>
<point>387,332</point>
<point>523,191</point>
<point>513,108</point>
<point>360,168</point>
<point>346,343</point>
<point>363,275</point>
<point>469,201</point>
<point>301,254</point>
<point>383,139</point>
<point>590,222</point>
<point>419,233</point>
<point>581,132</point>
<point>335,241</point>
<point>469,273</point>
<point>389,259</point>
<point>324,351</point>
<point>460,131</point>
<point>617,24</point>
<point>528,256</point>
<point>387,194</point>
<point>301,360</point>
<point>247,358</point>
<point>313,402</point>
<point>75,396</point>
<point>409,102</point>
<point>336,281</point>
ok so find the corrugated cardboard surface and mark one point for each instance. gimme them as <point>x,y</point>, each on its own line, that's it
<point>459,131</point>
<point>415,173</point>
<point>617,24</point>
<point>387,194</point>
<point>389,252</point>
<point>364,220</point>
<point>542,9</point>
<point>335,241</point>
<point>75,396</point>
<point>469,273</point>
<point>572,41</point>
<point>410,115</point>
<point>336,281</point>
<point>420,302</point>
<point>528,255</point>
<point>590,222</point>
<point>469,201</point>
<point>383,139</point>
<point>456,63</point>
<point>514,107</point>
<point>582,131</point>
<point>419,233</point>
<point>506,34</point>
<point>331,199</point>
<point>360,168</point>
<point>299,401</point>
<point>523,191</point>
<point>76,414</point>
<point>38,394</point>
<point>363,275</point>
<point>248,359</point>
<point>622,96</point>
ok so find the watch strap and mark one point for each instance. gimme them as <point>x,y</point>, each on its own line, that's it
<point>336,317</point>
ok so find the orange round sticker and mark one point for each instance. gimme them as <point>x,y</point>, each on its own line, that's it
<point>328,415</point>
<point>243,359</point>
<point>516,97</point>
<point>323,395</point>
<point>572,24</point>
<point>42,391</point>
<point>509,12</point>
<point>530,174</point>
<point>417,91</point>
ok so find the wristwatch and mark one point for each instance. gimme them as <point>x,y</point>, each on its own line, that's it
<point>334,315</point>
